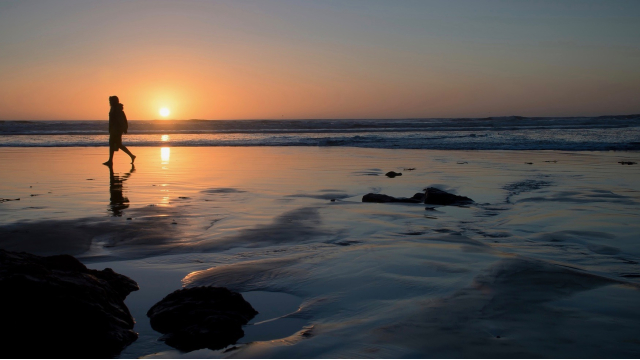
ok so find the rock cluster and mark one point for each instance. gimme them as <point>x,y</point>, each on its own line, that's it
<point>435,196</point>
<point>201,317</point>
<point>431,196</point>
<point>382,198</point>
<point>54,307</point>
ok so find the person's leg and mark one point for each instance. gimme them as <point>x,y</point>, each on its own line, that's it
<point>112,149</point>
<point>124,148</point>
<point>110,161</point>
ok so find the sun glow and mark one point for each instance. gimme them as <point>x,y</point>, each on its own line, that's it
<point>164,112</point>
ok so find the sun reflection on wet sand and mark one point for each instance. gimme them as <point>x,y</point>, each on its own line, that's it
<point>165,154</point>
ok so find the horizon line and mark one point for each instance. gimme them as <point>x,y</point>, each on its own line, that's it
<point>346,119</point>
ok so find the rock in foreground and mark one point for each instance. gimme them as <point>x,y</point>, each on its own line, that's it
<point>201,317</point>
<point>435,196</point>
<point>54,307</point>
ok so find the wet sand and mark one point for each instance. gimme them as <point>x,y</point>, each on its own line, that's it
<point>545,264</point>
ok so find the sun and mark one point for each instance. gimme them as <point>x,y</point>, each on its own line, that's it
<point>164,112</point>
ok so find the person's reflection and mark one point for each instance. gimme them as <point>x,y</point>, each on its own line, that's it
<point>118,202</point>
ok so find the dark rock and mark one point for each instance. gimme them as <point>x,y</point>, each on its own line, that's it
<point>201,317</point>
<point>627,162</point>
<point>417,197</point>
<point>382,198</point>
<point>378,198</point>
<point>54,307</point>
<point>431,196</point>
<point>529,163</point>
<point>435,196</point>
<point>392,174</point>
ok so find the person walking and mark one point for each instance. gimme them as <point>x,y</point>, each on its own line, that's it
<point>117,126</point>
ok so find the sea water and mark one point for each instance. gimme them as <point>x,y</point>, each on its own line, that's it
<point>497,133</point>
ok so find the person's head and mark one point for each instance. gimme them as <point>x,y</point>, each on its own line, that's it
<point>113,100</point>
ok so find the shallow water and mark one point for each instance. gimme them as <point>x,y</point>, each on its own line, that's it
<point>545,264</point>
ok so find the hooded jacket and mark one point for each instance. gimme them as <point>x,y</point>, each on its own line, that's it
<point>117,120</point>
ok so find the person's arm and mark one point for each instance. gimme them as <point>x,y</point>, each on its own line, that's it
<point>111,123</point>
<point>126,124</point>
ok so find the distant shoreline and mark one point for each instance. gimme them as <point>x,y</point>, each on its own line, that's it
<point>505,117</point>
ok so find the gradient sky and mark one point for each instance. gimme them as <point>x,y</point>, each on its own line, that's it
<point>318,59</point>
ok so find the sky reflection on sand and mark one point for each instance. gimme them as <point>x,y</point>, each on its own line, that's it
<point>383,280</point>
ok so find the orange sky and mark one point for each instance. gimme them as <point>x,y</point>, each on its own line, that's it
<point>288,59</point>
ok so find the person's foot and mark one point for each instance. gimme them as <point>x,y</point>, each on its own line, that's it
<point>133,158</point>
<point>108,163</point>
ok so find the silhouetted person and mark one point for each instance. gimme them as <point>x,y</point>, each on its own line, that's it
<point>117,201</point>
<point>117,126</point>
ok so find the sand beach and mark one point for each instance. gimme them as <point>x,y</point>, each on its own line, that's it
<point>545,263</point>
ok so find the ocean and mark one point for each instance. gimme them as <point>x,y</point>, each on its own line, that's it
<point>494,133</point>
